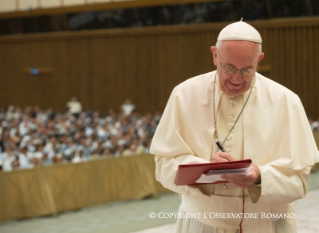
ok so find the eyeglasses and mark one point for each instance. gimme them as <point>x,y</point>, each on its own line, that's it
<point>232,70</point>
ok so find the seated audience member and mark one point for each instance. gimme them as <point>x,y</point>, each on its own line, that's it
<point>69,149</point>
<point>23,159</point>
<point>15,164</point>
<point>78,154</point>
<point>107,153</point>
<point>119,152</point>
<point>58,158</point>
<point>37,155</point>
<point>134,149</point>
<point>9,157</point>
<point>35,162</point>
<point>148,146</point>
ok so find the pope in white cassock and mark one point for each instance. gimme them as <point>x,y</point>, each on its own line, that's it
<point>254,118</point>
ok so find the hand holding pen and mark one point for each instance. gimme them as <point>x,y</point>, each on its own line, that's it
<point>240,180</point>
<point>222,156</point>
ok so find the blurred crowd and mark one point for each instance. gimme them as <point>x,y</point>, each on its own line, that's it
<point>205,12</point>
<point>38,137</point>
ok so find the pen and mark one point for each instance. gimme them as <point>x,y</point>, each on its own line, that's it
<point>220,146</point>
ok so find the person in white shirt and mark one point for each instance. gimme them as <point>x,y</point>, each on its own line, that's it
<point>74,107</point>
<point>127,107</point>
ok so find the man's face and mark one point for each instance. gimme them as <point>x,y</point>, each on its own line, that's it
<point>239,55</point>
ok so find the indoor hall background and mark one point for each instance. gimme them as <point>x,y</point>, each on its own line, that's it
<point>104,67</point>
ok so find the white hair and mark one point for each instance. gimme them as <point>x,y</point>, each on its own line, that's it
<point>219,44</point>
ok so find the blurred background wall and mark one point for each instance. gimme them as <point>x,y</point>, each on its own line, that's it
<point>48,56</point>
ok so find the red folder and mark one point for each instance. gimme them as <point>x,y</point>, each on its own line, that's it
<point>187,174</point>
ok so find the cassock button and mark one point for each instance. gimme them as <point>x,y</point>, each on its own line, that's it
<point>228,150</point>
<point>232,104</point>
<point>231,117</point>
<point>229,138</point>
<point>225,186</point>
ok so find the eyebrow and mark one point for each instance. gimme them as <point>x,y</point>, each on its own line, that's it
<point>247,67</point>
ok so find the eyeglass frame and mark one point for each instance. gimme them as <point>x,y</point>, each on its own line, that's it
<point>234,69</point>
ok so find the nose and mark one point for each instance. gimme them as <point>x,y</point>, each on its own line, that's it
<point>238,77</point>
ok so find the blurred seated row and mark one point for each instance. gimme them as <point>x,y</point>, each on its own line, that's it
<point>39,137</point>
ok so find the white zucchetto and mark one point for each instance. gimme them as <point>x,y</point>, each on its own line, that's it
<point>240,31</point>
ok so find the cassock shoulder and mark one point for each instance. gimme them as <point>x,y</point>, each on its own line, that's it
<point>275,92</point>
<point>196,84</point>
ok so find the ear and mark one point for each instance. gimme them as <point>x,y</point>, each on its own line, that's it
<point>214,51</point>
<point>261,56</point>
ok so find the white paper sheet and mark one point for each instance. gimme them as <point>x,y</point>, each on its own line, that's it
<point>215,175</point>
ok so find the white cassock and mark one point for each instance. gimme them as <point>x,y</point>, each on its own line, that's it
<point>273,131</point>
